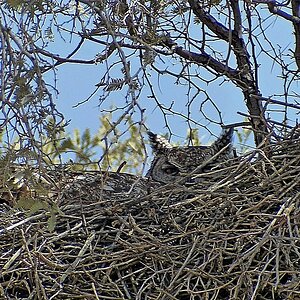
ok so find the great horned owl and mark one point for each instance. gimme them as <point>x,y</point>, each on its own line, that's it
<point>172,163</point>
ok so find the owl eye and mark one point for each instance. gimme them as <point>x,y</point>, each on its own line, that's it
<point>170,170</point>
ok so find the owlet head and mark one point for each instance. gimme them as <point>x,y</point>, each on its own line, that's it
<point>173,163</point>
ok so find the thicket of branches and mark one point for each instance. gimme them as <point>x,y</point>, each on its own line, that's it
<point>67,233</point>
<point>232,235</point>
<point>194,44</point>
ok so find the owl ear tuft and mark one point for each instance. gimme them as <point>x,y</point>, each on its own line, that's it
<point>158,143</point>
<point>224,139</point>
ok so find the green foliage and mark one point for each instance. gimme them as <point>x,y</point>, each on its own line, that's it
<point>107,149</point>
<point>15,3</point>
<point>31,7</point>
<point>193,137</point>
<point>244,139</point>
<point>33,205</point>
<point>118,147</point>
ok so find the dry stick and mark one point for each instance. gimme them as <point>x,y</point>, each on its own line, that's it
<point>185,262</point>
<point>36,217</point>
<point>253,250</point>
<point>65,233</point>
<point>95,291</point>
<point>259,279</point>
<point>221,183</point>
<point>15,256</point>
<point>42,258</point>
<point>141,231</point>
<point>78,259</point>
<point>38,282</point>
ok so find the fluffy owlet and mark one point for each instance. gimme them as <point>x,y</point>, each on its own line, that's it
<point>172,163</point>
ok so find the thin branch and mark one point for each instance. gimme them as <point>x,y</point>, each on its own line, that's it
<point>206,60</point>
<point>273,8</point>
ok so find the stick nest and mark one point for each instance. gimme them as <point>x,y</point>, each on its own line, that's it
<point>232,235</point>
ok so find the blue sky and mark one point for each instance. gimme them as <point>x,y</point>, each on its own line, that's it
<point>76,82</point>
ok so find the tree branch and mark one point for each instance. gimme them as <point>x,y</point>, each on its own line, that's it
<point>219,29</point>
<point>247,81</point>
<point>206,60</point>
<point>296,12</point>
<point>273,7</point>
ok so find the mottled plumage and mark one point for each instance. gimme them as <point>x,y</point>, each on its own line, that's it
<point>172,163</point>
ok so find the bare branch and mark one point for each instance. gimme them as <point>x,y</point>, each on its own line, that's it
<point>296,15</point>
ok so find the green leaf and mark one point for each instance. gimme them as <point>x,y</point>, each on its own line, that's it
<point>51,222</point>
